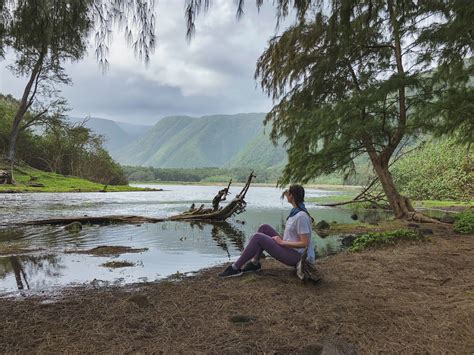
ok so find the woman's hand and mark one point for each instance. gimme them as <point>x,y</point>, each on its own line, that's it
<point>278,239</point>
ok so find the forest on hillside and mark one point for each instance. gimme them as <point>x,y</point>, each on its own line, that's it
<point>55,145</point>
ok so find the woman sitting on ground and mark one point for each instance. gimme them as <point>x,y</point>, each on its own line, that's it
<point>287,249</point>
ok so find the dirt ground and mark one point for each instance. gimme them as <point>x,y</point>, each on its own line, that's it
<point>412,298</point>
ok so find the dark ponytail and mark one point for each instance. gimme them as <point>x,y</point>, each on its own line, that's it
<point>297,191</point>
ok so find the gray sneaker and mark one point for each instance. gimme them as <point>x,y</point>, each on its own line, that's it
<point>230,272</point>
<point>251,267</point>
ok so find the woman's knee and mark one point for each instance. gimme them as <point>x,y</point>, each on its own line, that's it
<point>263,227</point>
<point>258,238</point>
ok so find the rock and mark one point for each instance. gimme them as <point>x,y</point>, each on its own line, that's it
<point>140,300</point>
<point>447,219</point>
<point>354,217</point>
<point>348,240</point>
<point>242,318</point>
<point>5,177</point>
<point>329,347</point>
<point>312,349</point>
<point>323,225</point>
<point>338,348</point>
<point>74,227</point>
<point>413,225</point>
<point>323,233</point>
<point>426,231</point>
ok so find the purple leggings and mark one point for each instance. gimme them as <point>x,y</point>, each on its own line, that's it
<point>262,241</point>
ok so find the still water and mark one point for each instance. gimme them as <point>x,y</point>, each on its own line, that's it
<point>171,246</point>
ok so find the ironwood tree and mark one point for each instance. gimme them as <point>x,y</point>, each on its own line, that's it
<point>45,34</point>
<point>355,77</point>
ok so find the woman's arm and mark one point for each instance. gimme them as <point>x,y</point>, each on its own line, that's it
<point>303,243</point>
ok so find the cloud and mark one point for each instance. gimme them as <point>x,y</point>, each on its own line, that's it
<point>212,74</point>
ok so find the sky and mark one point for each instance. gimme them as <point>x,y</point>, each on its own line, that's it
<point>213,74</point>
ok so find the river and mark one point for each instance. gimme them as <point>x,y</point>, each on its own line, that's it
<point>172,247</point>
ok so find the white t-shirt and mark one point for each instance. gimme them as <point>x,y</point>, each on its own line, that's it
<point>300,223</point>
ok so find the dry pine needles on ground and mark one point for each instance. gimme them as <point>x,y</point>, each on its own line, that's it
<point>414,298</point>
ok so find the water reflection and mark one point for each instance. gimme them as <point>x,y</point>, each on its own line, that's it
<point>19,272</point>
<point>224,232</point>
<point>29,271</point>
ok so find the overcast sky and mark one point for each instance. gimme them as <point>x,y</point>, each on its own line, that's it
<point>212,74</point>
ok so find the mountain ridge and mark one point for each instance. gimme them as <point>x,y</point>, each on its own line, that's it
<point>194,142</point>
<point>181,141</point>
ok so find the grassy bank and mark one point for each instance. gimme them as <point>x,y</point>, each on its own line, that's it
<point>327,187</point>
<point>349,194</point>
<point>33,180</point>
<point>377,301</point>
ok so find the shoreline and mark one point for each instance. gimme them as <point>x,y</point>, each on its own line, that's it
<point>26,190</point>
<point>259,184</point>
<point>365,302</point>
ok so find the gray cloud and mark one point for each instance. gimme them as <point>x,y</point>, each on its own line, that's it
<point>212,74</point>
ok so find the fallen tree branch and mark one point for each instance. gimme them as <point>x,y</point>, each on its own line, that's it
<point>236,206</point>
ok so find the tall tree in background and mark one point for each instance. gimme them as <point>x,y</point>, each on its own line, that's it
<point>45,34</point>
<point>360,78</point>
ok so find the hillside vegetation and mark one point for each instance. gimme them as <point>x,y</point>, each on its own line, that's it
<point>115,134</point>
<point>58,146</point>
<point>218,141</point>
<point>33,180</point>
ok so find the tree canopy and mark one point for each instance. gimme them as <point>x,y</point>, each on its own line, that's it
<point>45,34</point>
<point>361,77</point>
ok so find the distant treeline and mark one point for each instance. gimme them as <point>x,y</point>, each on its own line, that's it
<point>60,147</point>
<point>214,174</point>
<point>211,174</point>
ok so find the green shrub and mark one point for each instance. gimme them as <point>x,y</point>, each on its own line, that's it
<point>441,170</point>
<point>464,223</point>
<point>384,238</point>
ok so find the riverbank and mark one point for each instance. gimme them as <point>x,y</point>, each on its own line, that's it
<point>412,298</point>
<point>33,180</point>
<point>327,187</point>
<point>350,193</point>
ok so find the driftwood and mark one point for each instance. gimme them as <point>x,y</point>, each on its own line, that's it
<point>236,206</point>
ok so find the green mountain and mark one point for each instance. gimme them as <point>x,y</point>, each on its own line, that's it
<point>116,134</point>
<point>218,140</point>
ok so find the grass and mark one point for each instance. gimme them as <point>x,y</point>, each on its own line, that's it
<point>346,196</point>
<point>52,182</point>
<point>350,194</point>
<point>360,227</point>
<point>371,240</point>
<point>464,223</point>
<point>443,203</point>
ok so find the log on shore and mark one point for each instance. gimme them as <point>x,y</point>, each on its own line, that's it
<point>236,206</point>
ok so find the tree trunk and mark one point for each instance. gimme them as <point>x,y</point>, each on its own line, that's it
<point>401,206</point>
<point>25,103</point>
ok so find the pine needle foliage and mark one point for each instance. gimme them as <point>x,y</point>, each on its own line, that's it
<point>354,77</point>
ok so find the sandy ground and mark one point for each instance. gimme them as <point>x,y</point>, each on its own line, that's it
<point>412,298</point>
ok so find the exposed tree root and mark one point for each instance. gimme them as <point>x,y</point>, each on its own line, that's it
<point>420,217</point>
